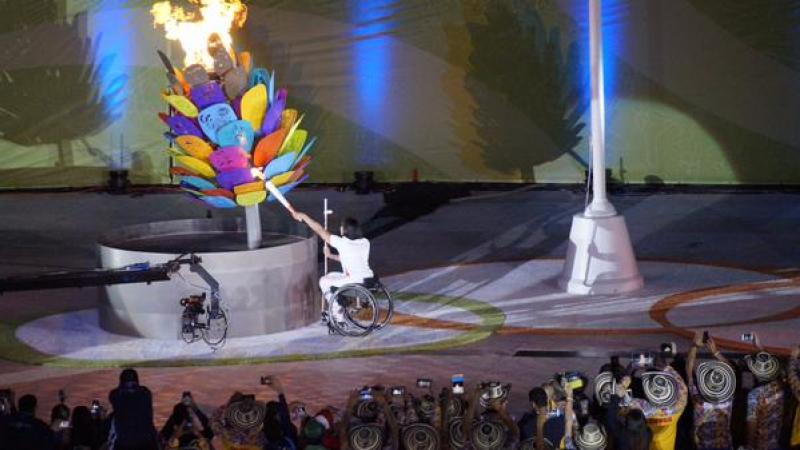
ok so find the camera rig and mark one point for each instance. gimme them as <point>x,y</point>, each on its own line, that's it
<point>197,320</point>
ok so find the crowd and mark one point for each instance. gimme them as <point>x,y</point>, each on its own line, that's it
<point>750,403</point>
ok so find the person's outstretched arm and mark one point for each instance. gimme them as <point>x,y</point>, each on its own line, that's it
<point>691,358</point>
<point>794,372</point>
<point>315,226</point>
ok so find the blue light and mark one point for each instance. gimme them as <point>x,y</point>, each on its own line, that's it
<point>112,42</point>
<point>371,22</point>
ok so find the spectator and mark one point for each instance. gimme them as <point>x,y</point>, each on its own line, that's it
<point>495,397</point>
<point>794,383</point>
<point>320,431</point>
<point>132,417</point>
<point>590,437</point>
<point>59,424</point>
<point>86,430</point>
<point>187,425</point>
<point>765,401</point>
<point>712,397</point>
<point>628,427</point>
<point>662,414</point>
<point>549,428</point>
<point>368,419</point>
<point>279,432</point>
<point>240,422</point>
<point>23,431</point>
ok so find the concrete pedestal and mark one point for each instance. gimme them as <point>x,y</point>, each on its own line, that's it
<point>600,258</point>
<point>265,290</point>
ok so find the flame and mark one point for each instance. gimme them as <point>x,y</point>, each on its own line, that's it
<point>195,28</point>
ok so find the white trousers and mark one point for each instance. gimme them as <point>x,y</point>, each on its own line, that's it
<point>335,279</point>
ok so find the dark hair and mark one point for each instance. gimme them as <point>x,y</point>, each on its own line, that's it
<point>351,228</point>
<point>538,396</point>
<point>83,427</point>
<point>636,432</point>
<point>128,376</point>
<point>27,404</point>
<point>60,412</point>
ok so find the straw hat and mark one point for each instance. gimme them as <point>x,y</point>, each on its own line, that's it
<point>764,366</point>
<point>660,388</point>
<point>420,436</point>
<point>716,381</point>
<point>591,437</point>
<point>246,414</point>
<point>603,387</point>
<point>365,437</point>
<point>489,435</point>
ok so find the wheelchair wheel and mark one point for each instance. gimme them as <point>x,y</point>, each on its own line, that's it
<point>385,303</point>
<point>188,329</point>
<point>358,308</point>
<point>216,330</point>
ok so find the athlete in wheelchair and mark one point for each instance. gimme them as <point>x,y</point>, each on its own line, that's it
<point>356,301</point>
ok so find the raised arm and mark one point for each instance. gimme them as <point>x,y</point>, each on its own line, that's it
<point>691,358</point>
<point>712,347</point>
<point>569,413</point>
<point>472,411</point>
<point>794,372</point>
<point>315,226</point>
<point>344,439</point>
<point>394,428</point>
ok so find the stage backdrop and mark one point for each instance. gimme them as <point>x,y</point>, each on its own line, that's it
<point>699,91</point>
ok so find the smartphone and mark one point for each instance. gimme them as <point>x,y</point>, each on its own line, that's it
<point>747,337</point>
<point>95,408</point>
<point>64,424</point>
<point>266,380</point>
<point>365,394</point>
<point>424,383</point>
<point>458,383</point>
<point>398,391</point>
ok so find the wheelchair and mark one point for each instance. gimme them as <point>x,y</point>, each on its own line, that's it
<point>200,322</point>
<point>366,307</point>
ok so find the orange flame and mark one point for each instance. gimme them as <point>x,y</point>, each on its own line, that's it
<point>194,28</point>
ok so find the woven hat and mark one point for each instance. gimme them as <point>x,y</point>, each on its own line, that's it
<point>420,436</point>
<point>456,432</point>
<point>489,435</point>
<point>365,437</point>
<point>246,414</point>
<point>367,410</point>
<point>716,381</point>
<point>660,388</point>
<point>456,407</point>
<point>764,366</point>
<point>494,392</point>
<point>591,437</point>
<point>603,387</point>
<point>530,444</point>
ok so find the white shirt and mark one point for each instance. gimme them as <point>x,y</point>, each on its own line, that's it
<point>354,256</point>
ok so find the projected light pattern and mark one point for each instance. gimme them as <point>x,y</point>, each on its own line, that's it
<point>113,53</point>
<point>372,66</point>
<point>615,13</point>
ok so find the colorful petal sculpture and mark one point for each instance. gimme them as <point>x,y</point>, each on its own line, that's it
<point>218,120</point>
<point>194,146</point>
<point>254,105</point>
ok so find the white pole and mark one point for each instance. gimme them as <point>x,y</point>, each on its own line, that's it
<point>600,206</point>
<point>600,257</point>
<point>325,213</point>
<point>253,223</point>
